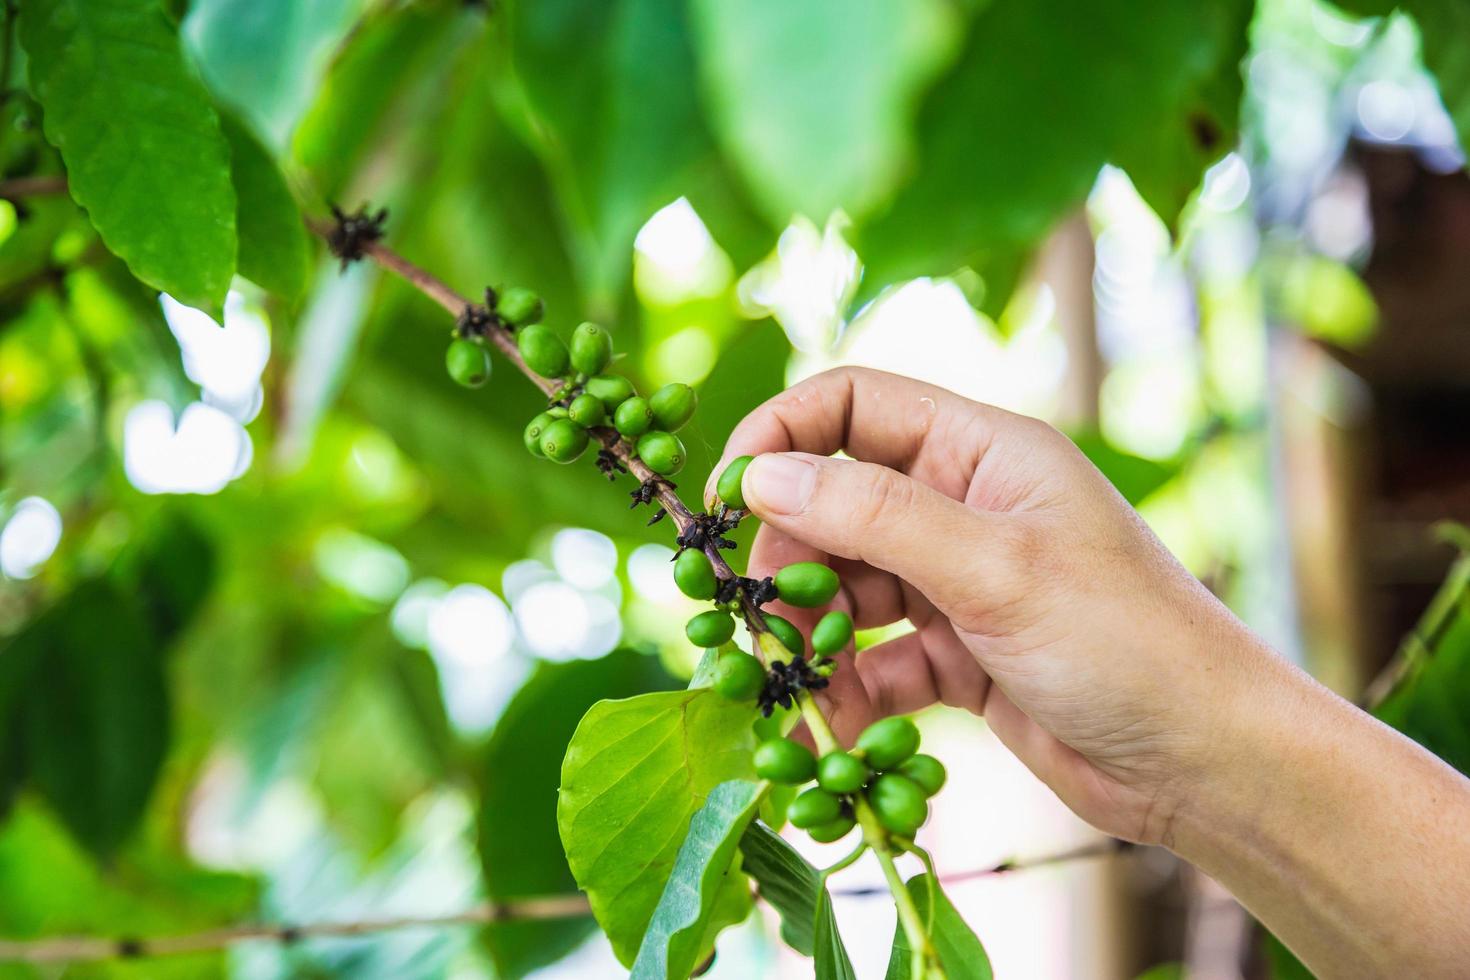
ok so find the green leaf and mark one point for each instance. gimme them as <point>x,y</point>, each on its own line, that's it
<point>143,149</point>
<point>620,121</point>
<point>686,912</point>
<point>171,571</point>
<point>273,249</point>
<point>95,712</point>
<point>634,774</point>
<point>830,959</point>
<point>519,846</point>
<point>813,100</point>
<point>959,949</point>
<point>794,889</point>
<point>1166,160</point>
<point>1043,94</point>
<point>266,57</point>
<point>1134,476</point>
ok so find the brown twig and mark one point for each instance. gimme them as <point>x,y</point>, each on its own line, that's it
<point>457,305</point>
<point>1103,848</point>
<point>18,187</point>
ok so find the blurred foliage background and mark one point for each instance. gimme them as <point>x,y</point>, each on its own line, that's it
<point>294,630</point>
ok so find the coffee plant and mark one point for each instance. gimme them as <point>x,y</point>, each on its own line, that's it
<point>621,818</point>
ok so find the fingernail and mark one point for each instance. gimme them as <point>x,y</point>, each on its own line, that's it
<point>779,484</point>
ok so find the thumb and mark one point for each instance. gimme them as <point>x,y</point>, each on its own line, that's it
<point>952,553</point>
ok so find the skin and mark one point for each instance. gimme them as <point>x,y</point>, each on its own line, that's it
<point>1042,602</point>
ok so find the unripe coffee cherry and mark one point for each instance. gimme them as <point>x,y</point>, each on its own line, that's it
<point>831,632</point>
<point>786,632</point>
<point>807,584</point>
<point>587,411</point>
<point>710,629</point>
<point>889,741</point>
<point>633,417</point>
<point>535,429</point>
<point>672,405</point>
<point>838,772</point>
<point>519,306</point>
<point>612,389</point>
<point>542,350</point>
<point>832,830</point>
<point>564,440</point>
<point>899,803</point>
<point>926,771</point>
<point>694,575</point>
<point>662,451</point>
<point>468,362</point>
<point>728,485</point>
<point>592,348</point>
<point>739,676</point>
<point>813,807</point>
<point>783,761</point>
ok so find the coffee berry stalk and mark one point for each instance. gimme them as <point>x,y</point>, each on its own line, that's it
<point>882,785</point>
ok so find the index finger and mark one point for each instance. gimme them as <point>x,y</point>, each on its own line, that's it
<point>931,434</point>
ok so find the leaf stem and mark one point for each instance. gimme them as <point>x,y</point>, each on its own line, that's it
<point>925,963</point>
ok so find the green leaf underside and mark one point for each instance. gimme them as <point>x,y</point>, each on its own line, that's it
<point>787,882</point>
<point>519,846</point>
<point>634,775</point>
<point>143,148</point>
<point>1016,114</point>
<point>959,949</point>
<point>273,247</point>
<point>830,958</point>
<point>703,871</point>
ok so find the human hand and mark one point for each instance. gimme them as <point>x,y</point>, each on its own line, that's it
<point>1039,598</point>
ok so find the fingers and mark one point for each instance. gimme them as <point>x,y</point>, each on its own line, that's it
<point>876,515</point>
<point>876,417</point>
<point>871,597</point>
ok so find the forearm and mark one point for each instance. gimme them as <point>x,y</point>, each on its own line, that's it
<point>1346,839</point>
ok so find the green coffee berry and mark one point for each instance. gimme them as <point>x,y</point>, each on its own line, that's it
<point>813,807</point>
<point>519,306</point>
<point>587,411</point>
<point>564,440</point>
<point>786,632</point>
<point>710,629</point>
<point>889,741</point>
<point>662,451</point>
<point>535,429</point>
<point>831,633</point>
<point>728,485</point>
<point>838,772</point>
<point>807,584</point>
<point>672,405</point>
<point>899,803</point>
<point>783,761</point>
<point>633,417</point>
<point>926,771</point>
<point>542,350</point>
<point>694,575</point>
<point>558,412</point>
<point>468,362</point>
<point>832,830</point>
<point>613,389</point>
<point>592,348</point>
<point>739,676</point>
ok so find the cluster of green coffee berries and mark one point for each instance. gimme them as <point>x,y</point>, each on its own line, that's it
<point>588,398</point>
<point>884,768</point>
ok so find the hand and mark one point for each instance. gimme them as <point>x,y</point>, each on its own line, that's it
<point>1039,598</point>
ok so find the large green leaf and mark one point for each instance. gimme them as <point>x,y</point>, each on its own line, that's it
<point>95,712</point>
<point>143,149</point>
<point>796,890</point>
<point>1045,92</point>
<point>959,949</point>
<point>634,775</point>
<point>1134,476</point>
<point>689,909</point>
<point>519,846</point>
<point>813,100</point>
<point>1166,160</point>
<point>273,251</point>
<point>612,86</point>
